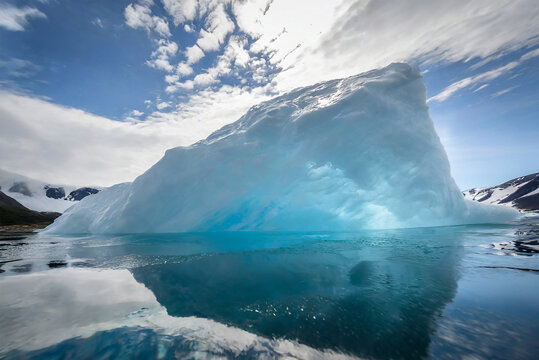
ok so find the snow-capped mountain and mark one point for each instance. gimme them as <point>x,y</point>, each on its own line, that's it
<point>39,195</point>
<point>354,153</point>
<point>521,193</point>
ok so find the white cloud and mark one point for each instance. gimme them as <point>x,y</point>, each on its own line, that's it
<point>237,53</point>
<point>16,19</point>
<point>193,54</point>
<point>341,38</point>
<point>19,68</point>
<point>248,15</point>
<point>480,88</point>
<point>163,105</point>
<point>161,26</point>
<point>170,79</point>
<point>160,57</point>
<point>472,80</point>
<point>204,79</point>
<point>181,10</point>
<point>504,91</point>
<point>530,55</point>
<point>65,145</point>
<point>184,69</point>
<point>140,16</point>
<point>207,41</point>
<point>481,78</point>
<point>188,28</point>
<point>219,25</point>
<point>136,113</point>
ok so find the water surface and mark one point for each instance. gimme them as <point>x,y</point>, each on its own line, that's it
<point>447,292</point>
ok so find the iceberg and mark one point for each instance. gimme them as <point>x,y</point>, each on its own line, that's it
<point>347,154</point>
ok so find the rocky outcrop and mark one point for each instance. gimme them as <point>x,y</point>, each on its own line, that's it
<point>79,194</point>
<point>55,192</point>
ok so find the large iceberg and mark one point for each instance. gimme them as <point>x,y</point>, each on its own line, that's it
<point>348,154</point>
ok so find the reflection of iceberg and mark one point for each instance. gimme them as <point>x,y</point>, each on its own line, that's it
<point>355,153</point>
<point>375,294</point>
<point>40,310</point>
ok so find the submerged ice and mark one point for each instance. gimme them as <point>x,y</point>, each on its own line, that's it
<point>347,154</point>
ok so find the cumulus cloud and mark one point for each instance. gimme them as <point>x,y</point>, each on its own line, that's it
<point>163,105</point>
<point>219,25</point>
<point>139,16</point>
<point>237,53</point>
<point>181,10</point>
<point>184,69</point>
<point>160,57</point>
<point>16,19</point>
<point>136,113</point>
<point>193,54</point>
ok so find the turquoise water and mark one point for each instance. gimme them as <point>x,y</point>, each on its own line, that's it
<point>445,292</point>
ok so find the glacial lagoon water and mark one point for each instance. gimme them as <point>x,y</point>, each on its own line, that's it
<point>443,293</point>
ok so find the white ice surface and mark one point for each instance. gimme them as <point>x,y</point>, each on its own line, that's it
<point>348,154</point>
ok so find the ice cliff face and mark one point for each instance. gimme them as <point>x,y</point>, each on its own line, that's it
<point>347,154</point>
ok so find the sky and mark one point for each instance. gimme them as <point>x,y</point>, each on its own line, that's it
<point>92,92</point>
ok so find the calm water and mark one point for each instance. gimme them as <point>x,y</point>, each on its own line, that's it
<point>417,293</point>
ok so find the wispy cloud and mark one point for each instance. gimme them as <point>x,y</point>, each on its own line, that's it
<point>504,91</point>
<point>481,78</point>
<point>98,22</point>
<point>19,68</point>
<point>16,19</point>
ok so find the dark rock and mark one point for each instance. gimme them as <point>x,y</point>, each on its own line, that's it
<point>528,202</point>
<point>81,193</point>
<point>57,263</point>
<point>20,187</point>
<point>55,192</point>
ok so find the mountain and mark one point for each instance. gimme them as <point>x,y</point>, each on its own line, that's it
<point>14,213</point>
<point>346,154</point>
<point>39,195</point>
<point>521,193</point>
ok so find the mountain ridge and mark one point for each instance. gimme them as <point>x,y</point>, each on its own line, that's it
<point>521,193</point>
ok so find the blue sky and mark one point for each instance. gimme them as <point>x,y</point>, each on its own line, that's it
<point>96,91</point>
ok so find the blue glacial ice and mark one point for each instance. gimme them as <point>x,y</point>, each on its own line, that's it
<point>347,154</point>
